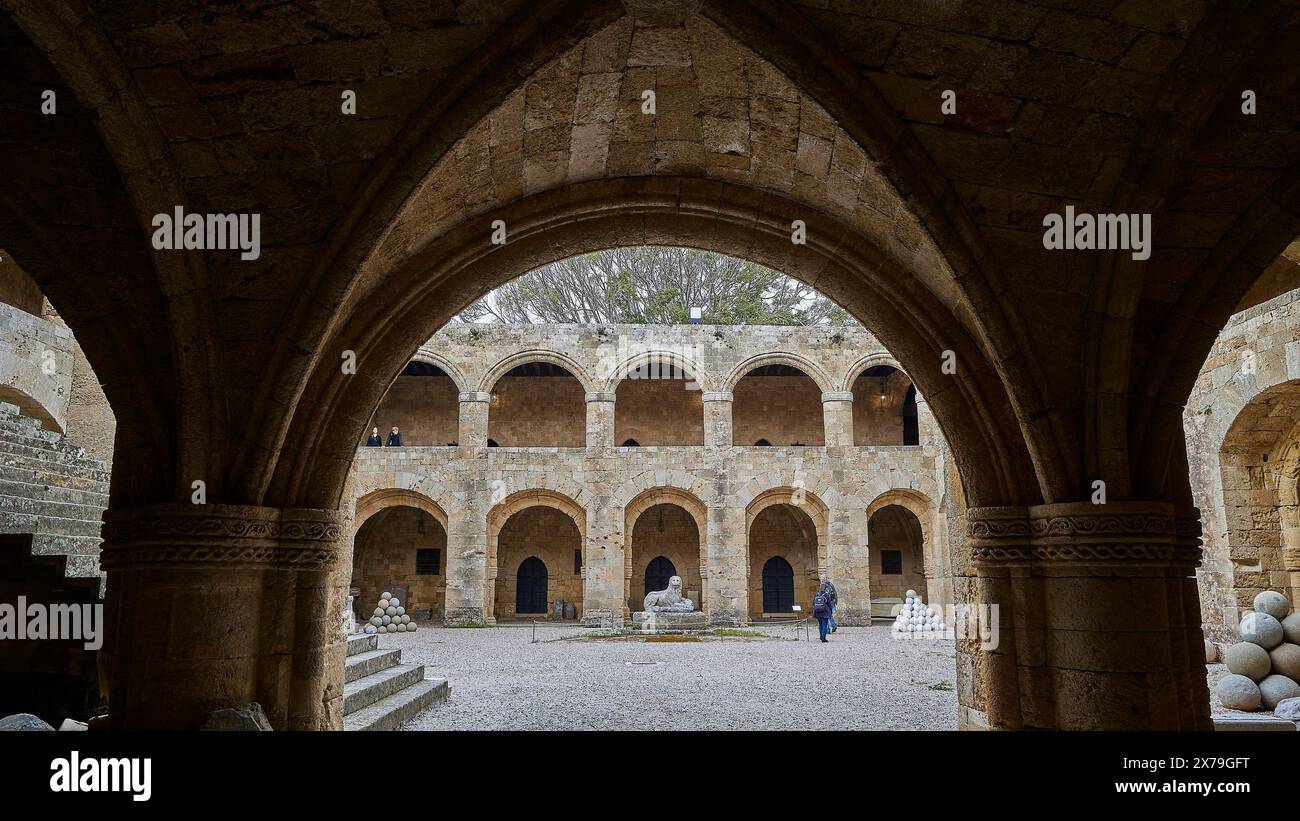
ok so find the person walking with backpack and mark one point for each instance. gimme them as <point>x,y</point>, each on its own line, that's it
<point>821,607</point>
<point>835,600</point>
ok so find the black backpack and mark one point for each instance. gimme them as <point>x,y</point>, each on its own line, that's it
<point>820,601</point>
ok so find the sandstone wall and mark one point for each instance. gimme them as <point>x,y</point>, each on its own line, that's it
<point>1241,428</point>
<point>36,366</point>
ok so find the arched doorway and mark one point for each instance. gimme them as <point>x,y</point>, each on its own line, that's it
<point>423,402</point>
<point>405,547</point>
<point>539,547</point>
<point>530,587</point>
<point>778,586</point>
<point>884,408</point>
<point>537,405</point>
<point>777,404</point>
<point>784,553</point>
<point>657,574</point>
<point>664,536</point>
<point>895,542</point>
<point>658,403</point>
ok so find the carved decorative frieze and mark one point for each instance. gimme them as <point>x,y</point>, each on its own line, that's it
<point>227,535</point>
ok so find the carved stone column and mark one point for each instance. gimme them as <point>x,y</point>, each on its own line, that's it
<point>212,606</point>
<point>717,418</point>
<point>474,419</point>
<point>1099,618</point>
<point>600,420</point>
<point>837,418</point>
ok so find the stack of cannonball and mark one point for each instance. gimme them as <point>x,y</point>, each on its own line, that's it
<point>1265,664</point>
<point>916,617</point>
<point>390,617</point>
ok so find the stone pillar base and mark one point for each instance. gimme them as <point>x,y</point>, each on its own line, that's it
<point>601,617</point>
<point>727,617</point>
<point>853,617</point>
<point>464,617</point>
<point>217,606</point>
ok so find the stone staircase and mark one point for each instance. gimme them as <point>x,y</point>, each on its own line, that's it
<point>51,490</point>
<point>381,693</point>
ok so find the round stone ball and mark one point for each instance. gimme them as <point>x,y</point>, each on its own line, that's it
<point>1291,628</point>
<point>1249,660</point>
<point>385,595</point>
<point>1211,652</point>
<point>911,594</point>
<point>1277,688</point>
<point>379,611</point>
<point>401,628</point>
<point>385,603</point>
<point>390,611</point>
<point>1273,603</point>
<point>376,620</point>
<point>1286,660</point>
<point>392,628</point>
<point>406,619</point>
<point>943,627</point>
<point>370,629</point>
<point>401,611</point>
<point>394,601</point>
<point>386,620</point>
<point>1238,693</point>
<point>1261,629</point>
<point>410,628</point>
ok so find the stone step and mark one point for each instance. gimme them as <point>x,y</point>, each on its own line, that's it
<point>75,480</point>
<point>53,493</point>
<point>367,690</point>
<point>43,467</point>
<point>48,544</point>
<point>52,525</point>
<point>76,459</point>
<point>34,434</point>
<point>11,412</point>
<point>361,643</point>
<point>369,662</point>
<point>395,710</point>
<point>47,507</point>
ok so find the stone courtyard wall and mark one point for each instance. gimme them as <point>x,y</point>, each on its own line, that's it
<point>725,487</point>
<point>1241,427</point>
<point>36,366</point>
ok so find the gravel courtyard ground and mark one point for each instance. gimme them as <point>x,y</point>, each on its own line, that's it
<point>862,680</point>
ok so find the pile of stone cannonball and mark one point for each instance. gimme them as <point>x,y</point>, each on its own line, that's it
<point>916,617</point>
<point>390,617</point>
<point>1265,664</point>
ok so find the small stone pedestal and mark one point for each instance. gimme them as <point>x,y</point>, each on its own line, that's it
<point>662,623</point>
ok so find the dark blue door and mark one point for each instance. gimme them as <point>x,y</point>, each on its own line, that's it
<point>530,589</point>
<point>778,586</point>
<point>657,574</point>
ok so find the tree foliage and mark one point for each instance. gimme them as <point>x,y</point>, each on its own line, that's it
<point>656,285</point>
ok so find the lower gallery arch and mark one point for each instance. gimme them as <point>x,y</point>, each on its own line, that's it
<point>664,523</point>
<point>897,556</point>
<point>901,520</point>
<point>400,547</point>
<point>535,542</point>
<point>785,551</point>
<point>1260,468</point>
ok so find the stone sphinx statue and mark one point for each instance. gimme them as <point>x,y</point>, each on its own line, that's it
<point>670,600</point>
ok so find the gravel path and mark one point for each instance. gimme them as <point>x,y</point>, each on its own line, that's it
<point>862,680</point>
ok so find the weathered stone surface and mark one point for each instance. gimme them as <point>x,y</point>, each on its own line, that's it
<point>1273,603</point>
<point>671,622</point>
<point>23,722</point>
<point>1261,629</point>
<point>249,717</point>
<point>1249,660</point>
<point>1291,628</point>
<point>1276,689</point>
<point>1238,693</point>
<point>1286,660</point>
<point>1288,708</point>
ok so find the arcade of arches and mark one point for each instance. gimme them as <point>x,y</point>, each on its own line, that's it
<point>376,228</point>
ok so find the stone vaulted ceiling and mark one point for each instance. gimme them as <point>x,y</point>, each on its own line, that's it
<point>1078,362</point>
